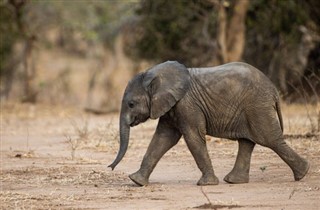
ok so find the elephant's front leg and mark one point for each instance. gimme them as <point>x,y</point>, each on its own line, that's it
<point>164,138</point>
<point>240,171</point>
<point>196,143</point>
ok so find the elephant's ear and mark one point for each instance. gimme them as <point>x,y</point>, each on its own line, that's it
<point>166,84</point>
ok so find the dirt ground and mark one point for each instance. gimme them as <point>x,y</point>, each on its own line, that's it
<point>57,157</point>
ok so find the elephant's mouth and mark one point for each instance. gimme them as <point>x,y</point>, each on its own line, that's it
<point>135,122</point>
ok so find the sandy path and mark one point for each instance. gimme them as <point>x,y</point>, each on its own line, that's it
<point>37,171</point>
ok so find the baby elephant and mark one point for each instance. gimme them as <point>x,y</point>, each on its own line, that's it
<point>234,101</point>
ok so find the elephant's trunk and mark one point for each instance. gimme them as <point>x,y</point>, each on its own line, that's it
<point>124,139</point>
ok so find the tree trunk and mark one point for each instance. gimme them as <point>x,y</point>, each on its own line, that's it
<point>221,37</point>
<point>30,94</point>
<point>231,34</point>
<point>237,30</point>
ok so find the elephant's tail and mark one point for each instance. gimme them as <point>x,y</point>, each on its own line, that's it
<point>279,114</point>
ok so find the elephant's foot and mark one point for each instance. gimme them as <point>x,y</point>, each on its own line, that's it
<point>139,179</point>
<point>209,179</point>
<point>299,174</point>
<point>236,178</point>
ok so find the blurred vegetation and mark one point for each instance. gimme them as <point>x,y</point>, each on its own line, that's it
<point>174,31</point>
<point>280,37</point>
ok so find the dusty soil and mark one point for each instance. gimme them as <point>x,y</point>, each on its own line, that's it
<point>57,157</point>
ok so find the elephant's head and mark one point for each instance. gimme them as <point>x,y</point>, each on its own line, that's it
<point>150,95</point>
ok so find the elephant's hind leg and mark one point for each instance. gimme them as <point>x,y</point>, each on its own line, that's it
<point>265,130</point>
<point>298,165</point>
<point>240,171</point>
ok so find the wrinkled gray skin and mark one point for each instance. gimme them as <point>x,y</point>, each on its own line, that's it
<point>234,101</point>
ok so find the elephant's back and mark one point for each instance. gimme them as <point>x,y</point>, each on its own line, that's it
<point>231,77</point>
<point>236,70</point>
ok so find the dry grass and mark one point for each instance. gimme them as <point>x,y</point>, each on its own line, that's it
<point>301,118</point>
<point>101,137</point>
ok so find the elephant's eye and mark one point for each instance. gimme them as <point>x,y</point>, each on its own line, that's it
<point>131,104</point>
